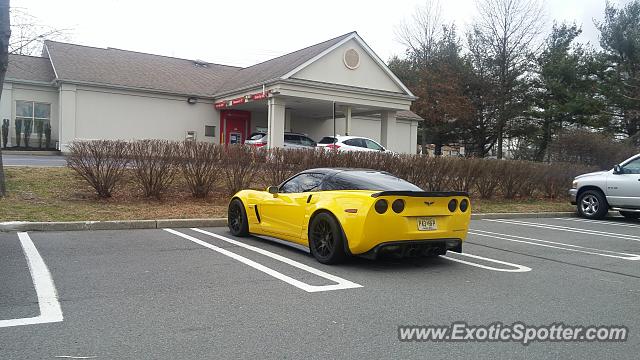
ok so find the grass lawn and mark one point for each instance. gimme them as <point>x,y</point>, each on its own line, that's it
<point>56,194</point>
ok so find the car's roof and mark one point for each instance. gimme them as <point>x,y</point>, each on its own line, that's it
<point>347,137</point>
<point>286,133</point>
<point>337,170</point>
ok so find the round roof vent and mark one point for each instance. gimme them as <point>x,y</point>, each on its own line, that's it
<point>351,59</point>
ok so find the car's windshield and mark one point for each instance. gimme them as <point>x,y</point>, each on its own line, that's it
<point>368,180</point>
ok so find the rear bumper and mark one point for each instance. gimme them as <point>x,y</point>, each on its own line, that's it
<point>414,248</point>
<point>572,196</point>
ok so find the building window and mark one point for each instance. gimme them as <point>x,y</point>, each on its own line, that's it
<point>209,131</point>
<point>33,113</point>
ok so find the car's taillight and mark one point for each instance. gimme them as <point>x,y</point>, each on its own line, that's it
<point>333,146</point>
<point>398,206</point>
<point>464,205</point>
<point>381,206</point>
<point>259,144</point>
<point>453,204</point>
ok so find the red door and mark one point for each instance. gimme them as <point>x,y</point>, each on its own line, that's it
<point>234,126</point>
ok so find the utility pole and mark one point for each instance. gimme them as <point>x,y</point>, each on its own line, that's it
<point>5,34</point>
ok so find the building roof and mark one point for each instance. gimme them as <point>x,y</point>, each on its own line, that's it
<point>409,115</point>
<point>29,68</point>
<point>130,69</point>
<point>277,67</point>
<point>134,70</point>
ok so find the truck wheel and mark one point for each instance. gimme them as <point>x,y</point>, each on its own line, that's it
<point>630,215</point>
<point>592,205</point>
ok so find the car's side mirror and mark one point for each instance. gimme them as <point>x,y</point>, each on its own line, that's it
<point>617,169</point>
<point>272,190</point>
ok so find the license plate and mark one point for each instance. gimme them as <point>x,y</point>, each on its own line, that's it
<point>427,224</point>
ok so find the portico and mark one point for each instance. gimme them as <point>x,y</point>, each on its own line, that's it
<point>346,77</point>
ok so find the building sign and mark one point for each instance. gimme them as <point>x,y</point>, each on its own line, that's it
<point>241,100</point>
<point>259,96</point>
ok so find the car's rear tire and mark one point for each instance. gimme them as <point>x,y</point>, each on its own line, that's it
<point>630,215</point>
<point>326,240</point>
<point>237,218</point>
<point>592,205</point>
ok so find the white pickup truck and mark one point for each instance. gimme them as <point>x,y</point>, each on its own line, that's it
<point>617,189</point>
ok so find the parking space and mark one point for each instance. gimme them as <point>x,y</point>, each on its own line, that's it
<point>201,293</point>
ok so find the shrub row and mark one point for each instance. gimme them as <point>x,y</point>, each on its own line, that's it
<point>155,164</point>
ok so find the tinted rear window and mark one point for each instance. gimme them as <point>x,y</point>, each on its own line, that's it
<point>368,180</point>
<point>327,140</point>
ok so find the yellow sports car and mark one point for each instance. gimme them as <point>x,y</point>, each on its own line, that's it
<point>343,212</point>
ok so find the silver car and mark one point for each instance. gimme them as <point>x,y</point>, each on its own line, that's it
<point>291,140</point>
<point>618,189</point>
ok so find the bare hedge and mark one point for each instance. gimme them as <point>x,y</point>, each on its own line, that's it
<point>154,165</point>
<point>200,165</point>
<point>101,163</point>
<point>207,167</point>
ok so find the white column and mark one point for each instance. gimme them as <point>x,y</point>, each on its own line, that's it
<point>67,116</point>
<point>287,120</point>
<point>6,110</point>
<point>347,120</point>
<point>275,130</point>
<point>388,133</point>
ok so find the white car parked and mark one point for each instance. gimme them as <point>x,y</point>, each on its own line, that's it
<point>617,189</point>
<point>350,143</point>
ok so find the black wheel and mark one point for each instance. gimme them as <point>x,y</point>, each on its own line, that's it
<point>630,215</point>
<point>326,241</point>
<point>237,218</point>
<point>592,205</point>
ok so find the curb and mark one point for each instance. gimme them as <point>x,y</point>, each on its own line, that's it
<point>109,225</point>
<point>186,223</point>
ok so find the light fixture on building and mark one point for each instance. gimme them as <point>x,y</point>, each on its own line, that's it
<point>192,100</point>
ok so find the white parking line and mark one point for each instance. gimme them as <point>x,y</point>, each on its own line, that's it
<point>601,222</point>
<point>50,310</point>
<point>556,245</point>
<point>569,229</point>
<point>515,267</point>
<point>341,284</point>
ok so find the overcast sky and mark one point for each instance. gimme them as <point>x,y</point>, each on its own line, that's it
<point>248,31</point>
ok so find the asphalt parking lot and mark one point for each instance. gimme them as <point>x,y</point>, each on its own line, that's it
<point>200,293</point>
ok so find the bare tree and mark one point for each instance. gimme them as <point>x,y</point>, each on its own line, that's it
<point>422,32</point>
<point>509,30</point>
<point>28,33</point>
<point>5,35</point>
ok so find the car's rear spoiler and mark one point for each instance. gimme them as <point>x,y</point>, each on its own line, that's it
<point>421,193</point>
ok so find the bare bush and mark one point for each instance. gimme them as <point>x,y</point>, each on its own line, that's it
<point>200,163</point>
<point>280,164</point>
<point>513,174</point>
<point>240,164</point>
<point>154,165</point>
<point>467,173</point>
<point>556,178</point>
<point>101,163</point>
<point>530,182</point>
<point>488,179</point>
<point>590,149</point>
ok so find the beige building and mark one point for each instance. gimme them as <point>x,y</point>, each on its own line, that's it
<point>95,93</point>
